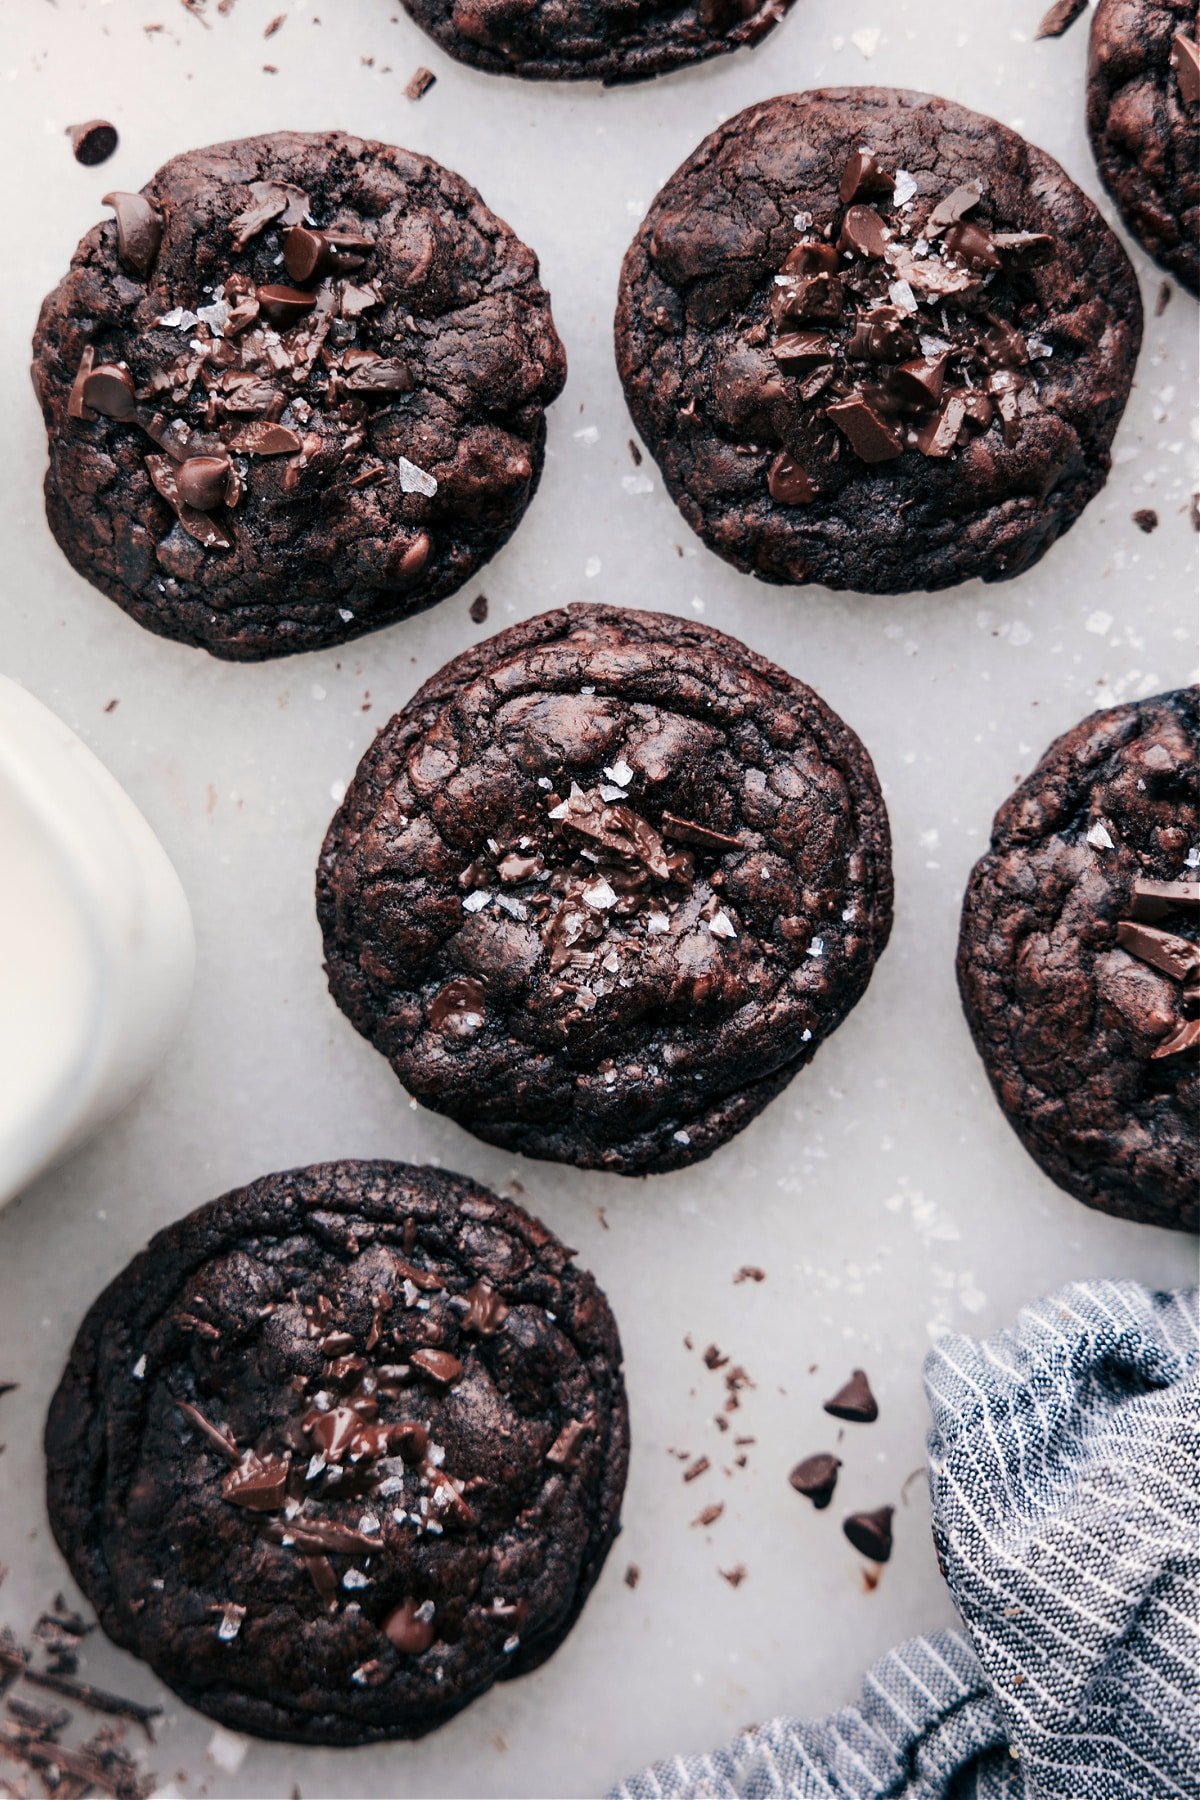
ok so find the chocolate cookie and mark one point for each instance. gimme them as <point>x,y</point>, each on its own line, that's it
<point>294,390</point>
<point>340,1450</point>
<point>604,886</point>
<point>1143,113</point>
<point>597,40</point>
<point>1079,960</point>
<point>876,341</point>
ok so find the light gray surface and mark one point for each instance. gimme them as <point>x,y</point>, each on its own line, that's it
<point>883,1193</point>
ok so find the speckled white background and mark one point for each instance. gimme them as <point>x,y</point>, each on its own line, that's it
<point>883,1193</point>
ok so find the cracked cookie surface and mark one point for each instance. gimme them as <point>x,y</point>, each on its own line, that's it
<point>1143,114</point>
<point>294,390</point>
<point>598,40</point>
<point>876,341</point>
<point>340,1450</point>
<point>604,886</point>
<point>1079,960</point>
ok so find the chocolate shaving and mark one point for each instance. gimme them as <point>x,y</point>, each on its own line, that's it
<point>319,1536</point>
<point>1061,16</point>
<point>95,1699</point>
<point>221,1441</point>
<point>687,831</point>
<point>272,200</point>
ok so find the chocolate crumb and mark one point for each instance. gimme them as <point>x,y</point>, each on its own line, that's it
<point>713,1358</point>
<point>1060,17</point>
<point>636,454</point>
<point>870,1580</point>
<point>1195,509</point>
<point>478,608</point>
<point>734,1576</point>
<point>274,25</point>
<point>94,142</point>
<point>748,1272</point>
<point>710,1515</point>
<point>1146,519</point>
<point>111,706</point>
<point>698,1467</point>
<point>632,1575</point>
<point>1163,300</point>
<point>419,83</point>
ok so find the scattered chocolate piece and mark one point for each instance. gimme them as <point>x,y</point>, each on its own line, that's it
<point>871,1532</point>
<point>93,143</point>
<point>734,1576</point>
<point>1163,298</point>
<point>710,1514</point>
<point>699,1467</point>
<point>632,1575</point>
<point>95,1699</point>
<point>854,1401</point>
<point>419,83</point>
<point>749,1272</point>
<point>478,609</point>
<point>714,1359</point>
<point>816,1478</point>
<point>1146,519</point>
<point>1060,17</point>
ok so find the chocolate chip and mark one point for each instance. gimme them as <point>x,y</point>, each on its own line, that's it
<point>410,1440</point>
<point>1185,60</point>
<point>383,375</point>
<point>869,435</point>
<point>1165,950</point>
<point>863,175</point>
<point>940,435</point>
<point>439,1365</point>
<point>309,254</point>
<point>854,1401</point>
<point>93,142</point>
<point>409,1629</point>
<point>478,609</point>
<point>486,1312</point>
<point>283,306</point>
<point>460,1001</point>
<point>205,530</point>
<point>265,438</point>
<point>271,200</point>
<point>816,1478</point>
<point>258,1484</point>
<point>564,1451</point>
<point>108,390</point>
<point>871,1532</point>
<point>954,206</point>
<point>882,335</point>
<point>139,231</point>
<point>1024,249</point>
<point>815,296</point>
<point>800,349</point>
<point>1185,1037</point>
<point>922,380</point>
<point>75,406</point>
<point>864,232</point>
<point>202,481</point>
<point>632,1575</point>
<point>972,245</point>
<point>1157,899</point>
<point>1146,519</point>
<point>788,484</point>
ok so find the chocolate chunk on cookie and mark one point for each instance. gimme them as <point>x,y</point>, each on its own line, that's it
<point>1079,960</point>
<point>340,1450</point>
<point>593,40</point>
<point>604,886</point>
<point>294,390</point>
<point>1143,115</point>
<point>876,341</point>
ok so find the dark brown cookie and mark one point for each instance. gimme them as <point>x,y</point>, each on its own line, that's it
<point>293,392</point>
<point>1079,960</point>
<point>1143,113</point>
<point>593,40</point>
<point>876,341</point>
<point>340,1450</point>
<point>604,886</point>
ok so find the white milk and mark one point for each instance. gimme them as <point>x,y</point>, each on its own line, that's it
<point>96,944</point>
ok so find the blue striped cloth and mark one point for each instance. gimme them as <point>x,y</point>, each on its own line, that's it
<point>1065,1482</point>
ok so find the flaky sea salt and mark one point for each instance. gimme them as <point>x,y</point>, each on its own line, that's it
<point>414,480</point>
